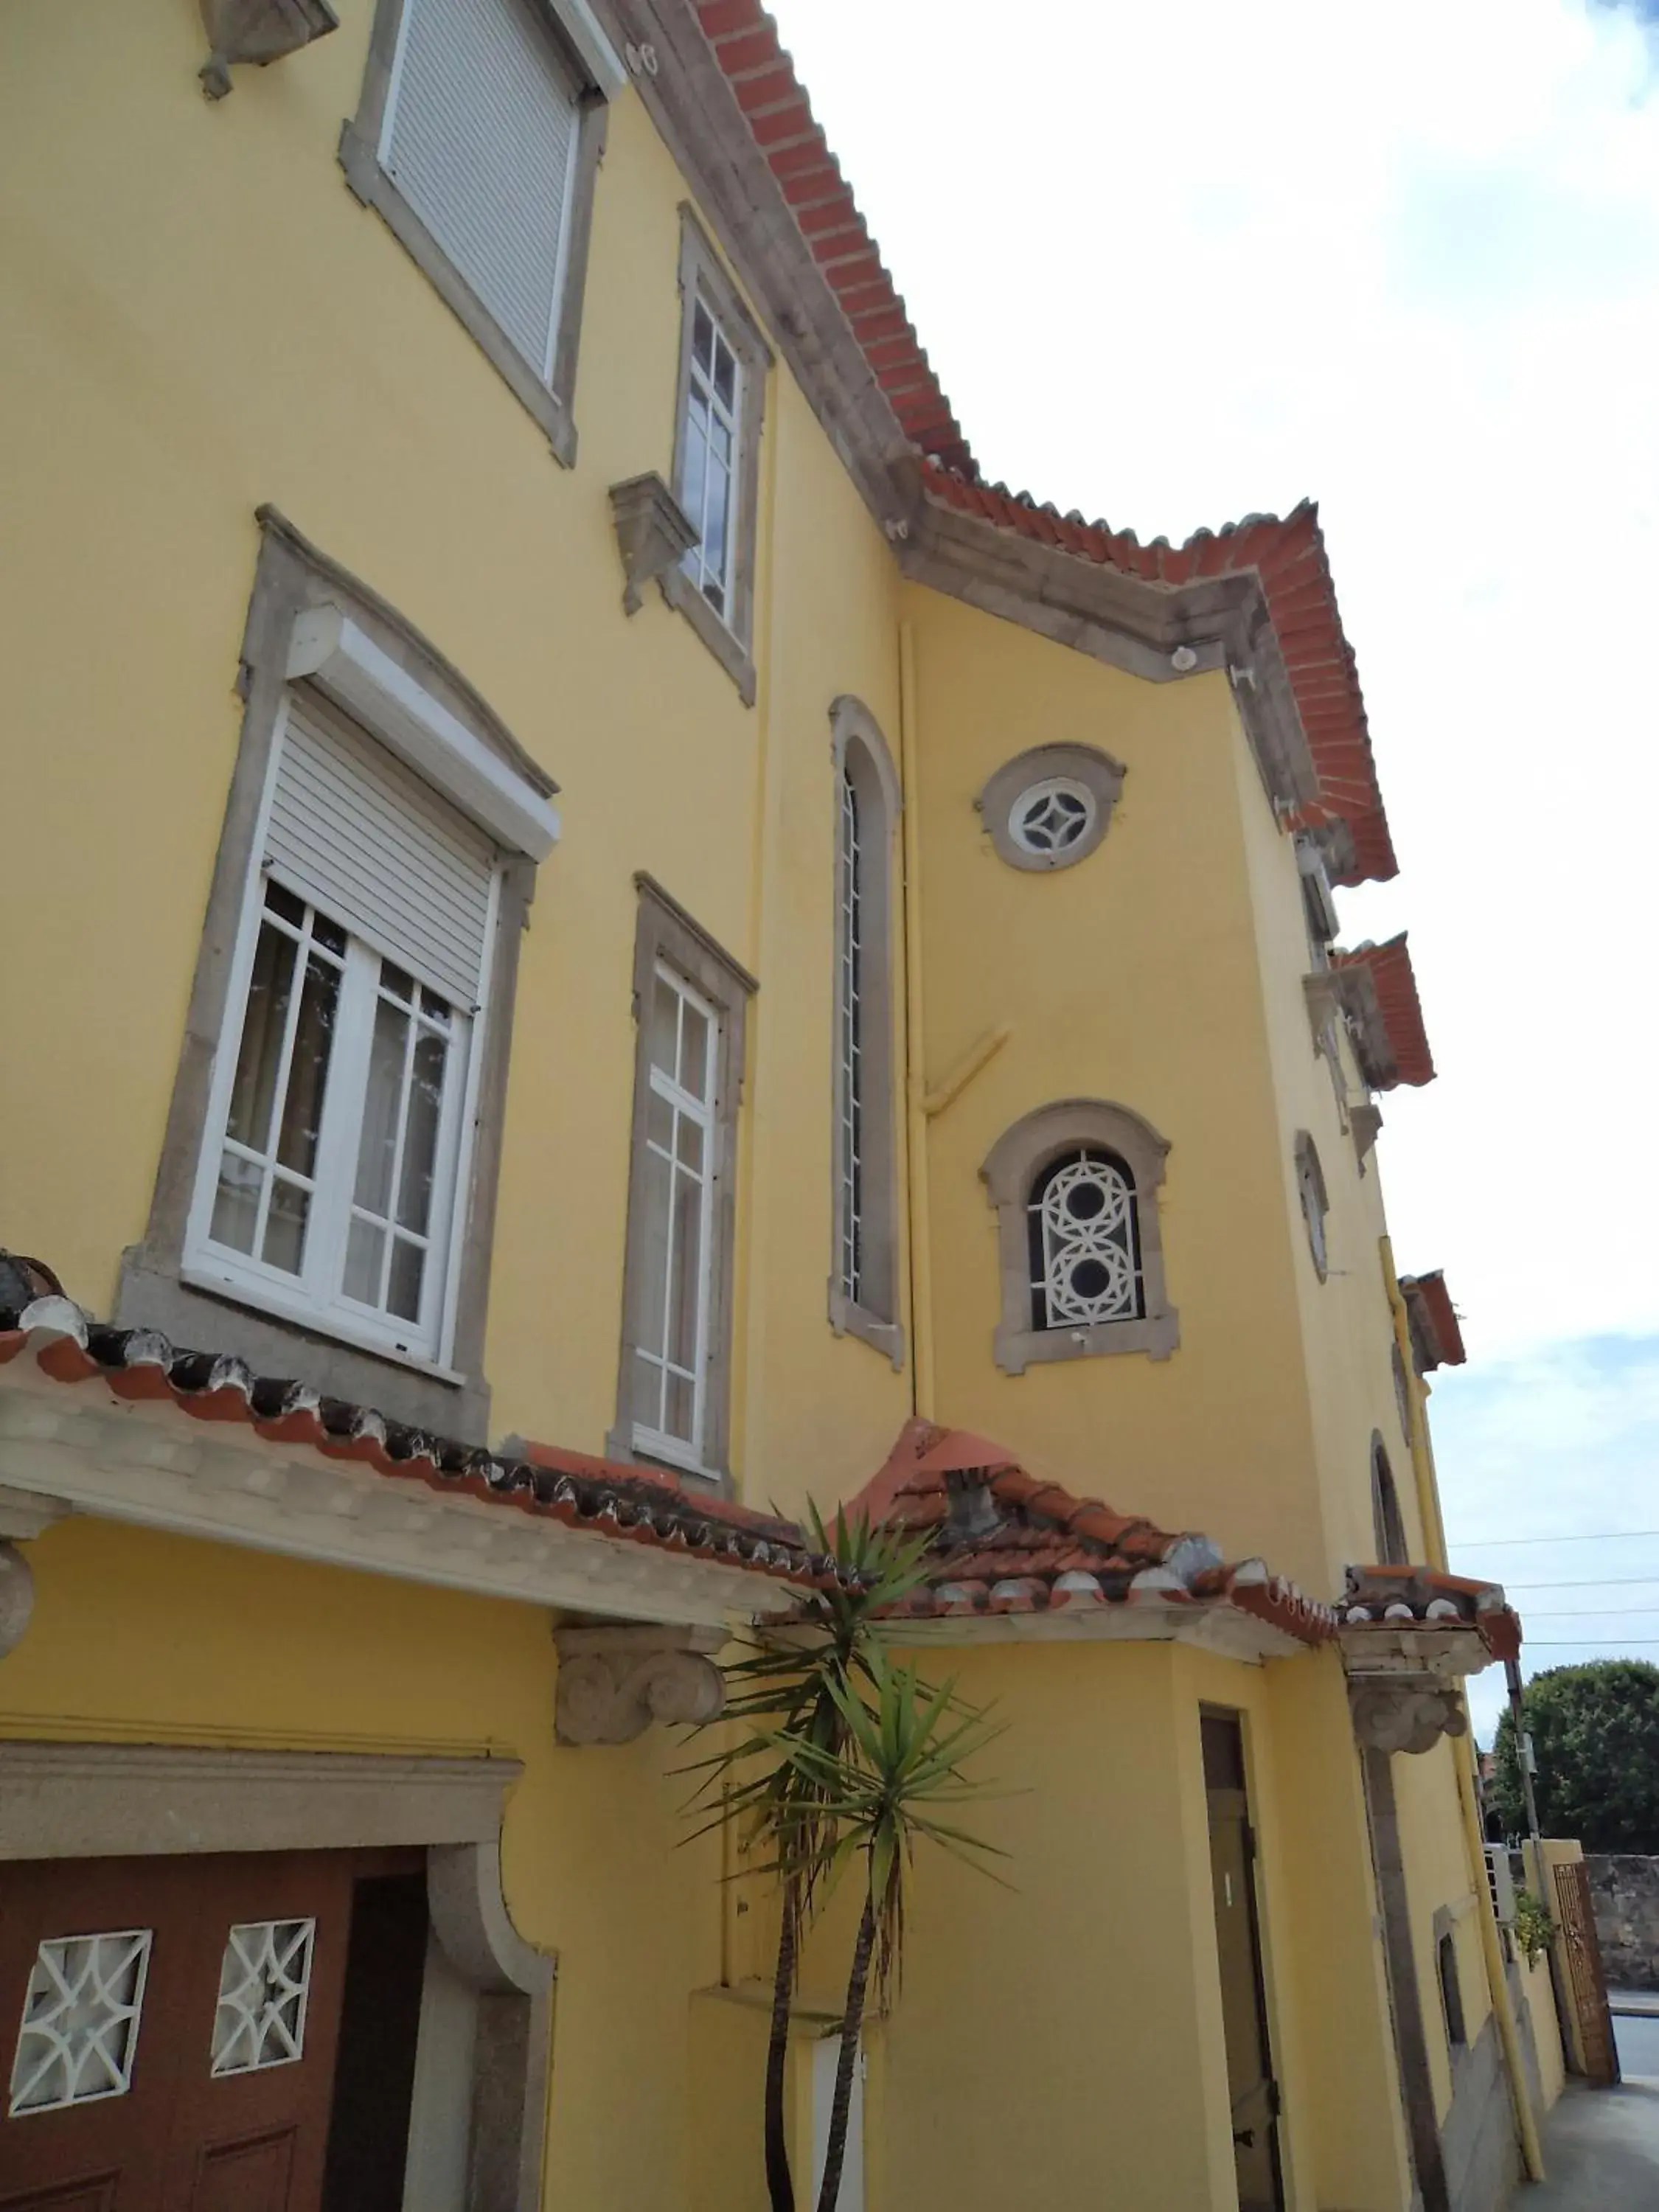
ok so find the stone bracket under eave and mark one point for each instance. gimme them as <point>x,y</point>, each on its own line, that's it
<point>654,533</point>
<point>259,31</point>
<point>614,1682</point>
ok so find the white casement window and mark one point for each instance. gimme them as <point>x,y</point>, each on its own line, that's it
<point>336,1135</point>
<point>850,1012</point>
<point>480,135</point>
<point>710,438</point>
<point>676,1186</point>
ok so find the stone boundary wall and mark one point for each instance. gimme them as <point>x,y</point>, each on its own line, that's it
<point>1625,1893</point>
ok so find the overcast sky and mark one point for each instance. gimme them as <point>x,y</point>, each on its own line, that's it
<point>1175,265</point>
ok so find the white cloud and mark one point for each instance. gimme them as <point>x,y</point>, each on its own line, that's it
<point>1176,265</point>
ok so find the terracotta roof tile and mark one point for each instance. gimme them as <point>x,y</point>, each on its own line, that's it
<point>1437,1334</point>
<point>1395,981</point>
<point>630,1504</point>
<point>1412,1598</point>
<point>1006,1540</point>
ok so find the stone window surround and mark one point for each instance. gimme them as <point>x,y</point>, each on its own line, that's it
<point>1012,1166</point>
<point>857,748</point>
<point>292,577</point>
<point>1097,772</point>
<point>587,51</point>
<point>480,2096</point>
<point>1388,1516</point>
<point>702,269</point>
<point>664,931</point>
<point>1314,1202</point>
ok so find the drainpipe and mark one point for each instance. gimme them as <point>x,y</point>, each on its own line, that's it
<point>916,1076</point>
<point>1428,1506</point>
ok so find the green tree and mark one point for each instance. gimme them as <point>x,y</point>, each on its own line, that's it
<point>790,1691</point>
<point>1595,1730</point>
<point>901,1769</point>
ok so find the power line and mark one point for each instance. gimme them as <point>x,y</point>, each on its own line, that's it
<point>1576,1536</point>
<point>1592,1581</point>
<point>1587,1643</point>
<point>1594,1613</point>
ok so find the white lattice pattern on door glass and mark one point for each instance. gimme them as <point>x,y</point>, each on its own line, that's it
<point>80,2027</point>
<point>263,1985</point>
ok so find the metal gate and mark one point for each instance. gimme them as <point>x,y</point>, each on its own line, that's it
<point>1589,1987</point>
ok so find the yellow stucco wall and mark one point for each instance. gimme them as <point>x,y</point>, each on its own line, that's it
<point>202,318</point>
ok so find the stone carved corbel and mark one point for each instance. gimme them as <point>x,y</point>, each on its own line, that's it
<point>1410,1713</point>
<point>22,1516</point>
<point>258,31</point>
<point>654,532</point>
<point>615,1682</point>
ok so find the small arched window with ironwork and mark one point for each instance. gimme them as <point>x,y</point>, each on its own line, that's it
<point>1075,1185</point>
<point>1085,1241</point>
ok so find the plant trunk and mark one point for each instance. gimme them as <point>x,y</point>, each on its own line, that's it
<point>851,2024</point>
<point>779,2187</point>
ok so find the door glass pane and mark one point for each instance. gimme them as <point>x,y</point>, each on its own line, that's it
<point>236,1203</point>
<point>80,2027</point>
<point>402,1295</point>
<point>688,1138</point>
<point>264,1978</point>
<point>647,1392</point>
<point>426,1098</point>
<point>285,1227</point>
<point>364,1250</point>
<point>307,1071</point>
<point>377,1146</point>
<point>260,1058</point>
<point>686,1287</point>
<point>659,1122</point>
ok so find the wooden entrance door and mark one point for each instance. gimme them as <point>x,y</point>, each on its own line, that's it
<point>1250,2085</point>
<point>1589,1985</point>
<point>167,2031</point>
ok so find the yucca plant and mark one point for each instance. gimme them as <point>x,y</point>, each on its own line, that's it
<point>792,1690</point>
<point>900,1768</point>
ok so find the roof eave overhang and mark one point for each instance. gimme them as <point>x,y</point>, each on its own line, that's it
<point>1354,989</point>
<point>1222,622</point>
<point>79,1448</point>
<point>1449,1653</point>
<point>1207,1626</point>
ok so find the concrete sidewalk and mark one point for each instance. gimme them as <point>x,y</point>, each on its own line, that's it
<point>1600,2152</point>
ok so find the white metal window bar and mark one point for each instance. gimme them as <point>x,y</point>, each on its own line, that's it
<point>264,1979</point>
<point>480,136</point>
<point>79,2033</point>
<point>851,951</point>
<point>708,487</point>
<point>1052,816</point>
<point>679,1168</point>
<point>1085,1243</point>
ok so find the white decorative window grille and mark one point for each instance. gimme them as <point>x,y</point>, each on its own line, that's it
<point>1085,1243</point>
<point>708,468</point>
<point>337,1132</point>
<point>480,137</point>
<point>80,2027</point>
<point>852,1044</point>
<point>264,1982</point>
<point>680,1136</point>
<point>1052,816</point>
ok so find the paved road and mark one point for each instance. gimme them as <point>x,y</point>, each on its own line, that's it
<point>1600,2148</point>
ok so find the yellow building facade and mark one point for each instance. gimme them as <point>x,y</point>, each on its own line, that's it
<point>611,931</point>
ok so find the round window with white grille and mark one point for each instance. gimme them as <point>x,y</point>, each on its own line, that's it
<point>1050,818</point>
<point>1049,807</point>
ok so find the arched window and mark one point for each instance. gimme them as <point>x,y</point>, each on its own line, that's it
<point>1085,1241</point>
<point>1389,1524</point>
<point>1075,1187</point>
<point>1316,1206</point>
<point>864,1278</point>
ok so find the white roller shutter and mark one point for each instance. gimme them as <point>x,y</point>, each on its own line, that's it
<point>481,140</point>
<point>357,834</point>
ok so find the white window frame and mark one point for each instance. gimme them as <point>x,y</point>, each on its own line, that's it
<point>656,1443</point>
<point>701,408</point>
<point>315,1297</point>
